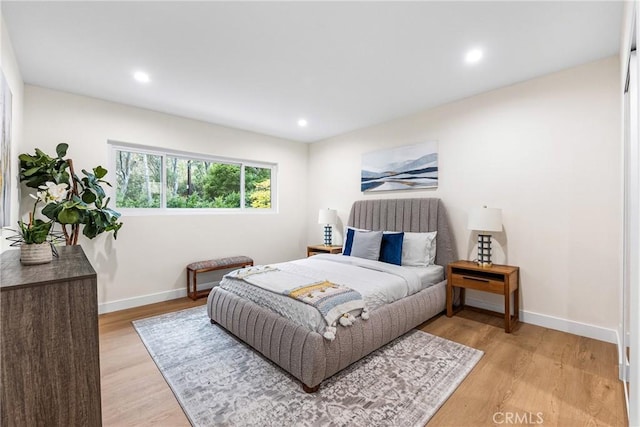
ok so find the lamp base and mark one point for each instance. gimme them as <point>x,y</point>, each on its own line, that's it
<point>327,235</point>
<point>484,264</point>
<point>484,250</point>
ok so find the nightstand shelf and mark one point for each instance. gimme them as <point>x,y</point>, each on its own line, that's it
<point>497,279</point>
<point>322,249</point>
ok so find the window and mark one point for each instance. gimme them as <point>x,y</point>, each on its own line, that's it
<point>138,180</point>
<point>202,184</point>
<point>257,187</point>
<point>169,180</point>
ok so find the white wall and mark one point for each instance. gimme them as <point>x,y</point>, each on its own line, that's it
<point>11,72</point>
<point>546,151</point>
<point>151,252</point>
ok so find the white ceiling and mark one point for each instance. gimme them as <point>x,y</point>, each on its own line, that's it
<point>261,66</point>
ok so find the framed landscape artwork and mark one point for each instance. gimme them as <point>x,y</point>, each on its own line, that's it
<point>410,167</point>
<point>5,152</point>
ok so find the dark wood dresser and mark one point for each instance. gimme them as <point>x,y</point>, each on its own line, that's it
<point>49,351</point>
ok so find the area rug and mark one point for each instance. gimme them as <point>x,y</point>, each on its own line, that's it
<point>219,380</point>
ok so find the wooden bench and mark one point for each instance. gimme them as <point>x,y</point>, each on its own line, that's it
<point>195,268</point>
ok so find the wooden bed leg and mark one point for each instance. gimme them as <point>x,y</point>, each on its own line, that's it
<point>308,389</point>
<point>213,322</point>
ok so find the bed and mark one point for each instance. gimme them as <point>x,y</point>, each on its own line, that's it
<point>304,352</point>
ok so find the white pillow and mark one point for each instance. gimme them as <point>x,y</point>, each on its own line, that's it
<point>419,249</point>
<point>432,249</point>
<point>347,228</point>
<point>366,244</point>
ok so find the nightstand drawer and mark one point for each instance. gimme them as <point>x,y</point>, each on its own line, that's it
<point>479,283</point>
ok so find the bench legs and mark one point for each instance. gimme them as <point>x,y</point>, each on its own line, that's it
<point>196,268</point>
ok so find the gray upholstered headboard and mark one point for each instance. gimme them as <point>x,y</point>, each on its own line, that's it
<point>415,215</point>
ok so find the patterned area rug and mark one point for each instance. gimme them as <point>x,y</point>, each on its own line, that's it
<point>218,380</point>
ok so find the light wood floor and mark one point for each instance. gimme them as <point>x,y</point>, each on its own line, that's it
<point>533,376</point>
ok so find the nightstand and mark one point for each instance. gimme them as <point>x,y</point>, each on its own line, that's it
<point>322,249</point>
<point>497,279</point>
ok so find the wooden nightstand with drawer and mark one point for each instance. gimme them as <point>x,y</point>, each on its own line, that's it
<point>497,279</point>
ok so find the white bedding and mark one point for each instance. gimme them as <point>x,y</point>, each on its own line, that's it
<point>379,283</point>
<point>429,275</point>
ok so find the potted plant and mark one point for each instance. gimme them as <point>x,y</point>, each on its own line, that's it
<point>34,237</point>
<point>71,201</point>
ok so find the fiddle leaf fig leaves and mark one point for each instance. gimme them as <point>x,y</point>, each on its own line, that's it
<point>61,150</point>
<point>69,216</point>
<point>88,197</point>
<point>85,204</point>
<point>99,172</point>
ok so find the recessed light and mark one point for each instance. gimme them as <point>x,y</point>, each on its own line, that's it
<point>302,123</point>
<point>141,77</point>
<point>473,56</point>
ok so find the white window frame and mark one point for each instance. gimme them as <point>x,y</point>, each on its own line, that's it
<point>163,153</point>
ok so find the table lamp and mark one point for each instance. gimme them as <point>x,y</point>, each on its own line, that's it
<point>328,217</point>
<point>483,220</point>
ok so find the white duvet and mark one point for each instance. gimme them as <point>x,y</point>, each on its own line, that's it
<point>379,283</point>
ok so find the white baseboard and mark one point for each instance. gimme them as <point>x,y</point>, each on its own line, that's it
<point>123,304</point>
<point>551,322</point>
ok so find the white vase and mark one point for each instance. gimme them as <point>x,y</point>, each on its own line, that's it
<point>35,253</point>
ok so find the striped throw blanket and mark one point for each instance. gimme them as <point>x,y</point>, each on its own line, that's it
<point>334,302</point>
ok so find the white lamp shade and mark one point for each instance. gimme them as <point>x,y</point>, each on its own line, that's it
<point>327,216</point>
<point>485,219</point>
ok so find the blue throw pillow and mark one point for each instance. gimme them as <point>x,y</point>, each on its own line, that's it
<point>391,248</point>
<point>348,242</point>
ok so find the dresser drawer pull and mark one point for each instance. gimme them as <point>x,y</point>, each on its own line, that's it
<point>475,279</point>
